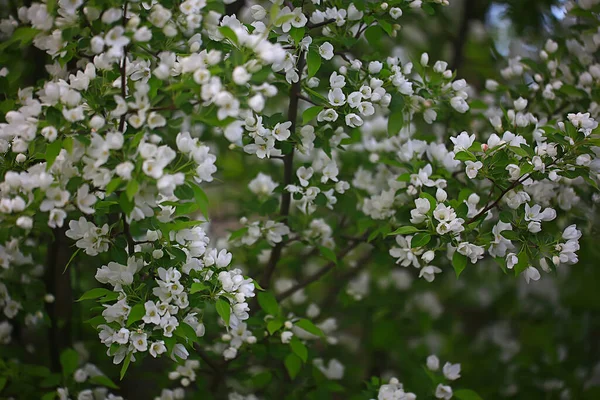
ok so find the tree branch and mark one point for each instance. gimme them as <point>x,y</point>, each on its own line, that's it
<point>235,7</point>
<point>288,174</point>
<point>58,283</point>
<point>123,73</point>
<point>320,24</point>
<point>130,241</point>
<point>320,273</point>
<point>502,194</point>
<point>461,37</point>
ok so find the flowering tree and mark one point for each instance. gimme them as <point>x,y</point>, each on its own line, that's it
<point>262,200</point>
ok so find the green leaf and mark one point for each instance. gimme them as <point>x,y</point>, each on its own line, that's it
<point>466,394</point>
<point>404,230</point>
<point>274,325</point>
<point>3,381</point>
<point>23,35</point>
<point>459,262</point>
<point>328,254</point>
<point>523,261</point>
<point>94,294</point>
<point>132,189</point>
<point>97,320</point>
<point>293,364</point>
<point>224,310</point>
<point>465,156</point>
<point>373,35</point>
<point>49,396</point>
<point>238,234</point>
<point>113,185</point>
<point>510,235</point>
<point>136,313</point>
<point>395,123</point>
<point>310,113</point>
<point>69,360</point>
<point>313,60</point>
<point>125,365</point>
<point>299,349</point>
<point>125,204</point>
<point>103,380</point>
<point>297,34</point>
<point>229,34</point>
<point>309,327</point>
<point>68,144</point>
<point>52,151</point>
<point>261,380</point>
<point>268,303</point>
<point>187,332</point>
<point>197,287</point>
<point>201,199</point>
<point>518,151</point>
<point>420,240</point>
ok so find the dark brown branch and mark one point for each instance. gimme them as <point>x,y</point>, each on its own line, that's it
<point>123,73</point>
<point>308,100</point>
<point>320,24</point>
<point>322,272</point>
<point>58,283</point>
<point>502,194</point>
<point>344,278</point>
<point>130,241</point>
<point>235,7</point>
<point>206,358</point>
<point>288,174</point>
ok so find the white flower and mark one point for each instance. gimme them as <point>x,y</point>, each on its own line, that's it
<point>139,341</point>
<point>262,185</point>
<point>462,141</point>
<point>433,363</point>
<point>451,371</point>
<point>443,392</point>
<point>536,214</point>
<point>473,252</point>
<point>473,168</point>
<point>157,348</point>
<point>514,171</point>
<point>571,233</point>
<point>459,104</point>
<point>56,218</point>
<point>286,336</point>
<point>375,67</point>
<point>395,12</point>
<point>531,273</point>
<point>511,260</point>
<point>336,97</point>
<point>85,200</point>
<point>281,131</point>
<point>240,75</point>
<point>304,174</point>
<point>520,104</point>
<point>353,120</point>
<point>326,51</point>
<point>152,314</point>
<point>428,272</point>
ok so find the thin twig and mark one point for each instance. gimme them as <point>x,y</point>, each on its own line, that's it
<point>502,194</point>
<point>308,100</point>
<point>320,24</point>
<point>127,232</point>
<point>320,273</point>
